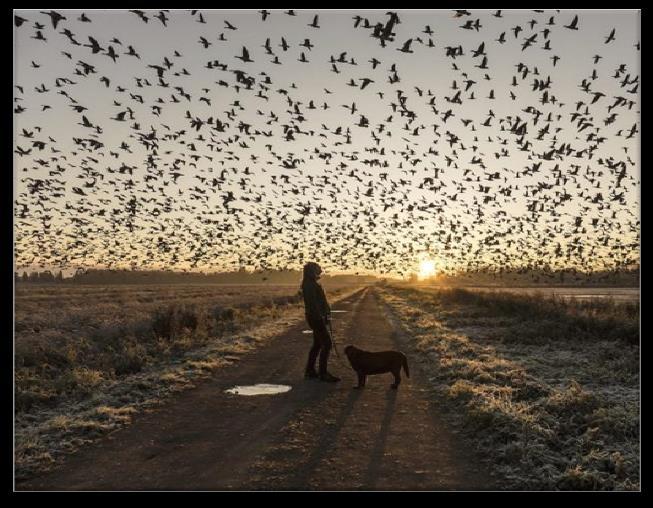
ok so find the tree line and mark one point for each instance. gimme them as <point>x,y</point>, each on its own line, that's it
<point>102,276</point>
<point>40,277</point>
<point>625,277</point>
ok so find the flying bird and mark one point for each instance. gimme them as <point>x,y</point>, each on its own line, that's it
<point>55,17</point>
<point>245,55</point>
<point>574,24</point>
<point>406,47</point>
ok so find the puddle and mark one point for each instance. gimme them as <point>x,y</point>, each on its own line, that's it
<point>307,331</point>
<point>259,389</point>
<point>334,311</point>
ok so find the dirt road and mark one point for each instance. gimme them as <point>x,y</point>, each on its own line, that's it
<point>317,436</point>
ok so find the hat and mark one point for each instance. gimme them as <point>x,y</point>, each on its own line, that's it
<point>312,269</point>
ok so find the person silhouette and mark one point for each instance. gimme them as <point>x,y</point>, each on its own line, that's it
<point>318,313</point>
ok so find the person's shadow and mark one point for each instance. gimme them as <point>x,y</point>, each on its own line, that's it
<point>376,456</point>
<point>327,440</point>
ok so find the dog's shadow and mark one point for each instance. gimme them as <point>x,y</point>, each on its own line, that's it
<point>378,450</point>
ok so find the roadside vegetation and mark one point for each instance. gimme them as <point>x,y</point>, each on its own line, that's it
<point>88,358</point>
<point>548,388</point>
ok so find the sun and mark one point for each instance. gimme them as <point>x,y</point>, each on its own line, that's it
<point>426,268</point>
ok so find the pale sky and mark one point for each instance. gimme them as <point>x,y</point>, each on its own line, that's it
<point>366,210</point>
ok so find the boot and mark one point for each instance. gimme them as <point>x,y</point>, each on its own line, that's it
<point>310,373</point>
<point>330,378</point>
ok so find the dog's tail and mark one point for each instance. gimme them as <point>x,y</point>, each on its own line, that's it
<point>404,363</point>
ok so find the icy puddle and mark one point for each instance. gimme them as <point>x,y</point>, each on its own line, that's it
<point>259,389</point>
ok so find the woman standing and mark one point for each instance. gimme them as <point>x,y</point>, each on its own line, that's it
<point>318,313</point>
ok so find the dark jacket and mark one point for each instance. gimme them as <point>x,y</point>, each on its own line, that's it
<point>315,302</point>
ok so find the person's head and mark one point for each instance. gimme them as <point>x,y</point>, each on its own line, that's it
<point>312,270</point>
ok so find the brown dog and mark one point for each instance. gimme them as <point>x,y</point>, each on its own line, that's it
<point>366,363</point>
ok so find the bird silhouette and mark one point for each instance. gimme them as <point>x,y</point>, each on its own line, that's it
<point>237,159</point>
<point>55,18</point>
<point>245,55</point>
<point>406,47</point>
<point>141,15</point>
<point>574,24</point>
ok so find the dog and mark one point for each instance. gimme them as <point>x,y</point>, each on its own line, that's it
<point>366,363</point>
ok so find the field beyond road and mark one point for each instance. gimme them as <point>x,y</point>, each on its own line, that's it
<point>519,392</point>
<point>620,294</point>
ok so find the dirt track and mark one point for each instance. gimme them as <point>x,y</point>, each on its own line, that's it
<point>317,436</point>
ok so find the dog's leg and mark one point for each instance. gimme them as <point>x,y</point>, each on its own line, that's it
<point>397,375</point>
<point>361,380</point>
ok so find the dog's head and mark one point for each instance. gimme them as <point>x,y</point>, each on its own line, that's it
<point>351,351</point>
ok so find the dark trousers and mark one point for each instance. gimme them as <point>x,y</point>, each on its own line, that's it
<point>321,345</point>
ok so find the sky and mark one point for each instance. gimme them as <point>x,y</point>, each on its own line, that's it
<point>413,173</point>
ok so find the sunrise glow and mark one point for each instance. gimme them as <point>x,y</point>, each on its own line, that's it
<point>426,268</point>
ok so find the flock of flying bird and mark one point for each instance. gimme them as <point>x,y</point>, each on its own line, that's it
<point>218,165</point>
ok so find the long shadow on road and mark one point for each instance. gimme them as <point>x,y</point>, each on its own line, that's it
<point>323,442</point>
<point>379,448</point>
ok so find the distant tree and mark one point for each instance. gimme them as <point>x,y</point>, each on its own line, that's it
<point>79,274</point>
<point>25,277</point>
<point>59,276</point>
<point>46,276</point>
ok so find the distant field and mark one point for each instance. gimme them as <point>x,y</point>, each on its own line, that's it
<point>621,294</point>
<point>88,356</point>
<point>46,311</point>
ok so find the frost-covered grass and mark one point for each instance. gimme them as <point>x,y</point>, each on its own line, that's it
<point>547,388</point>
<point>84,367</point>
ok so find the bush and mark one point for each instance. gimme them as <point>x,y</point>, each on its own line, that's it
<point>80,380</point>
<point>529,391</point>
<point>26,399</point>
<point>170,321</point>
<point>187,318</point>
<point>223,319</point>
<point>577,479</point>
<point>130,360</point>
<point>163,322</point>
<point>574,400</point>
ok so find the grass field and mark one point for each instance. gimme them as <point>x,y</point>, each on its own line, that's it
<point>88,357</point>
<point>547,387</point>
<point>619,294</point>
